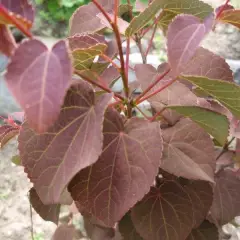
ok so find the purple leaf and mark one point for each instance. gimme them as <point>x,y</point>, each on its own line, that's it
<point>226,197</point>
<point>47,212</point>
<point>74,142</point>
<point>85,19</point>
<point>206,231</point>
<point>64,232</point>
<point>39,83</point>
<point>124,172</point>
<point>7,41</point>
<point>184,35</point>
<point>188,151</point>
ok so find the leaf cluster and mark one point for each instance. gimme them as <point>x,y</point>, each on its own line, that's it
<point>172,173</point>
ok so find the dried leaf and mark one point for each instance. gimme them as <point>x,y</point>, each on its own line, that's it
<point>39,83</point>
<point>225,92</point>
<point>64,232</point>
<point>217,125</point>
<point>124,172</point>
<point>85,19</point>
<point>74,142</point>
<point>231,17</point>
<point>206,231</point>
<point>127,229</point>
<point>226,197</point>
<point>47,212</point>
<point>7,41</point>
<point>188,151</point>
<point>191,31</point>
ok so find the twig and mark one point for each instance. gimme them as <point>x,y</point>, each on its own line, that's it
<point>31,218</point>
<point>225,148</point>
<point>157,91</point>
<point>127,57</point>
<point>151,40</point>
<point>159,78</point>
<point>119,44</point>
<point>98,85</point>
<point>157,115</point>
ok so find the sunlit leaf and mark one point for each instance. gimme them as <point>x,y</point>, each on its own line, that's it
<point>124,172</point>
<point>188,151</point>
<point>226,93</point>
<point>85,19</point>
<point>39,83</point>
<point>7,41</point>
<point>215,124</point>
<point>74,142</point>
<point>167,211</point>
<point>226,197</point>
<point>47,212</point>
<point>17,12</point>
<point>206,231</point>
<point>193,7</point>
<point>191,30</point>
<point>231,17</point>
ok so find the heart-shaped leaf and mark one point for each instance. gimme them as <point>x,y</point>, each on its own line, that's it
<point>47,212</point>
<point>124,172</point>
<point>74,142</point>
<point>188,151</point>
<point>191,31</point>
<point>225,92</point>
<point>217,125</point>
<point>85,19</point>
<point>64,232</point>
<point>39,83</point>
<point>226,197</point>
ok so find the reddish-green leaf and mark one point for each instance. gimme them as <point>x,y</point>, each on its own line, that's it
<point>225,92</point>
<point>85,19</point>
<point>64,232</point>
<point>175,94</point>
<point>206,231</point>
<point>124,172</point>
<point>231,17</point>
<point>188,151</point>
<point>47,212</point>
<point>7,132</point>
<point>191,31</point>
<point>164,213</point>
<point>127,229</point>
<point>74,142</point>
<point>214,123</point>
<point>39,78</point>
<point>226,197</point>
<point>7,41</point>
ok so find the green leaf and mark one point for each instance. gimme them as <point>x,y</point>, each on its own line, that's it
<point>214,123</point>
<point>225,92</point>
<point>193,7</point>
<point>83,58</point>
<point>16,160</point>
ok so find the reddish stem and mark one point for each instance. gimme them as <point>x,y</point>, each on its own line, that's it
<point>98,85</point>
<point>157,115</point>
<point>151,40</point>
<point>128,65</point>
<point>146,30</point>
<point>119,44</point>
<point>157,91</point>
<point>110,61</point>
<point>139,109</point>
<point>20,26</point>
<point>159,78</point>
<point>127,57</point>
<point>116,11</point>
<point>222,9</point>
